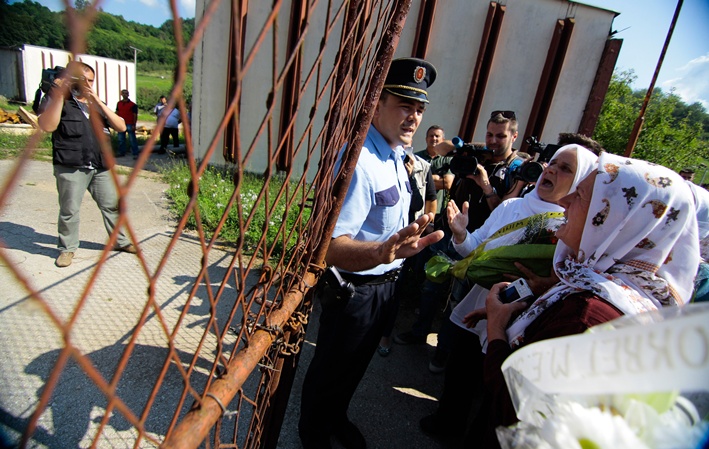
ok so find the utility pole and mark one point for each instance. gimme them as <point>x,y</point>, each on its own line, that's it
<point>135,56</point>
<point>641,117</point>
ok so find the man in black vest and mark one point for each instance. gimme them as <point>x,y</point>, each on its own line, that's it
<point>73,113</point>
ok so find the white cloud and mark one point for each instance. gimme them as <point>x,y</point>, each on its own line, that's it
<point>188,8</point>
<point>692,81</point>
<point>149,3</point>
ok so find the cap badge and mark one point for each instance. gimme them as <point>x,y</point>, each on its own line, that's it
<point>419,74</point>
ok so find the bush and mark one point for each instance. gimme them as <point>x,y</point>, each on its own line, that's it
<point>148,97</point>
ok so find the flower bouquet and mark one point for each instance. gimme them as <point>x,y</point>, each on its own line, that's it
<point>636,382</point>
<point>530,241</point>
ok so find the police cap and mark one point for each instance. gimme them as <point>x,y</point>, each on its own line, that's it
<point>410,78</point>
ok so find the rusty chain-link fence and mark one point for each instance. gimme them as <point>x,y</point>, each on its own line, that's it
<point>196,344</point>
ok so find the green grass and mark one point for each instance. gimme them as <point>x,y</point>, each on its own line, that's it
<point>159,80</point>
<point>151,85</point>
<point>11,145</point>
<point>215,190</point>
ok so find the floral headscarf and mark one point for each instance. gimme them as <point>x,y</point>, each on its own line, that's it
<point>639,248</point>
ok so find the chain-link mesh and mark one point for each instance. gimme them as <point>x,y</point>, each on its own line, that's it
<point>188,347</point>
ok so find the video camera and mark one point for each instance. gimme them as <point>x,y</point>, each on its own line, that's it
<point>48,77</point>
<point>467,157</point>
<point>531,170</point>
<point>78,83</point>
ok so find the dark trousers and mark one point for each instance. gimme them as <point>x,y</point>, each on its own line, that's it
<point>463,382</point>
<point>165,137</point>
<point>347,339</point>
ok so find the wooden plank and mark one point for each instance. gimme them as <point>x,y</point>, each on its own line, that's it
<point>28,117</point>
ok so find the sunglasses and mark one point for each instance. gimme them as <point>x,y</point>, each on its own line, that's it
<point>506,114</point>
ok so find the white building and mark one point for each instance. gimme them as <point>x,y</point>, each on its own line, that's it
<point>548,60</point>
<point>21,73</point>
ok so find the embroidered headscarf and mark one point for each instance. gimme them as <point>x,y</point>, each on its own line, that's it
<point>639,248</point>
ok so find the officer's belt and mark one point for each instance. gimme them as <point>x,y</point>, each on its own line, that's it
<point>371,279</point>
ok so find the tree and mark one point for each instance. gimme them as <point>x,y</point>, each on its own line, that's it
<point>31,23</point>
<point>673,134</point>
<point>81,5</point>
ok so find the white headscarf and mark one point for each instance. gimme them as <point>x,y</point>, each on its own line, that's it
<point>515,209</point>
<point>585,163</point>
<point>639,248</point>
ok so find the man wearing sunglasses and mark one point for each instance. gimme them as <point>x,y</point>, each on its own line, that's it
<point>73,113</point>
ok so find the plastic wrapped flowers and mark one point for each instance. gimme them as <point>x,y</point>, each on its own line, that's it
<point>635,382</point>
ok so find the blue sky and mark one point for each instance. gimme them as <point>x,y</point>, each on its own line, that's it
<point>644,25</point>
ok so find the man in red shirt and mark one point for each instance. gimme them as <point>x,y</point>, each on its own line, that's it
<point>128,111</point>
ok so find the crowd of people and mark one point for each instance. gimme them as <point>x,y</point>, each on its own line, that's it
<point>593,237</point>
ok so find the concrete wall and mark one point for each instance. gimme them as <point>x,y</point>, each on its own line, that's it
<point>517,66</point>
<point>209,100</point>
<point>10,87</point>
<point>28,61</point>
<point>453,46</point>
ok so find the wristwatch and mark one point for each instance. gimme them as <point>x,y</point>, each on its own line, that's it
<point>491,194</point>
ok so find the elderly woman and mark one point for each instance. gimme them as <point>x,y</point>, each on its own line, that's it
<point>531,220</point>
<point>629,246</point>
<point>515,226</point>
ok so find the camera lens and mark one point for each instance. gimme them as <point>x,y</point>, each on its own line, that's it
<point>76,89</point>
<point>531,171</point>
<point>464,165</point>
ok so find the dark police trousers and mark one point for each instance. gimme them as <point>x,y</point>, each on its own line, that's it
<point>347,339</point>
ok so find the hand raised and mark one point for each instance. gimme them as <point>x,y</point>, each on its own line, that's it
<point>458,220</point>
<point>408,241</point>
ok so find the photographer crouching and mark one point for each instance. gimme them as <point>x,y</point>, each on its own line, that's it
<point>79,121</point>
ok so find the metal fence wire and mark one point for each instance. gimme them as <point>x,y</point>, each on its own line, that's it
<point>201,349</point>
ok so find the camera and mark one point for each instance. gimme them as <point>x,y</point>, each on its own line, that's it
<point>48,77</point>
<point>77,85</point>
<point>531,170</point>
<point>516,291</point>
<point>467,157</point>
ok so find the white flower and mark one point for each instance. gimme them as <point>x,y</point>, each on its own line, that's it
<point>572,426</point>
<point>676,428</point>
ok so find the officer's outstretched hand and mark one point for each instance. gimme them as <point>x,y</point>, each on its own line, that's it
<point>408,241</point>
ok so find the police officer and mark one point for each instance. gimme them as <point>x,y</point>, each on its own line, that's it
<point>371,238</point>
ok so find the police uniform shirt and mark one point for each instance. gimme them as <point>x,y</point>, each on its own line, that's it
<point>377,203</point>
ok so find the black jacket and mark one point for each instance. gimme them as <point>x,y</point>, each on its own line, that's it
<point>74,143</point>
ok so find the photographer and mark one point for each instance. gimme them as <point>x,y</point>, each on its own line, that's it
<point>79,121</point>
<point>490,185</point>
